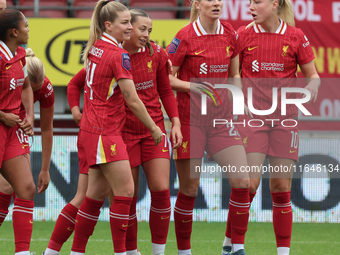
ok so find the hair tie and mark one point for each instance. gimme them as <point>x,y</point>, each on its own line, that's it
<point>106,2</point>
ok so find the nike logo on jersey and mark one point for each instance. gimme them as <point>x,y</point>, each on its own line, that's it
<point>290,151</point>
<point>237,138</point>
<point>8,67</point>
<point>165,150</point>
<point>197,53</point>
<point>24,145</point>
<point>250,49</point>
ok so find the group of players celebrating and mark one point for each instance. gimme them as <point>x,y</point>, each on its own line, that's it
<point>121,126</point>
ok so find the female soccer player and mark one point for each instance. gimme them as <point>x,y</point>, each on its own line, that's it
<point>207,48</point>
<point>272,48</point>
<point>150,75</point>
<point>15,90</point>
<point>43,92</point>
<point>108,84</point>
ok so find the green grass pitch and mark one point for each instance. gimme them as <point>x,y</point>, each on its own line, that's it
<point>307,238</point>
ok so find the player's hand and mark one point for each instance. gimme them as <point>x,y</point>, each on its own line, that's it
<point>76,114</point>
<point>157,135</point>
<point>10,119</point>
<point>27,125</point>
<point>176,135</point>
<point>169,65</point>
<point>43,181</point>
<point>313,88</point>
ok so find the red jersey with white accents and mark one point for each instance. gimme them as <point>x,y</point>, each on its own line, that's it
<point>12,76</point>
<point>104,111</point>
<point>45,95</point>
<point>201,55</point>
<point>272,55</point>
<point>151,80</point>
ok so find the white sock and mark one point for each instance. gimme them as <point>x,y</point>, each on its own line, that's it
<point>23,253</point>
<point>49,251</point>
<point>133,252</point>
<point>283,250</point>
<point>76,253</point>
<point>120,253</point>
<point>237,247</point>
<point>227,241</point>
<point>184,252</point>
<point>157,248</point>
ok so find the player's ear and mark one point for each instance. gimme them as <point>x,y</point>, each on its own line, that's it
<point>275,5</point>
<point>14,33</point>
<point>108,26</point>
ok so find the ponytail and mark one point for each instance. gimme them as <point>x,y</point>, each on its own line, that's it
<point>194,13</point>
<point>285,12</point>
<point>135,13</point>
<point>35,68</point>
<point>105,10</point>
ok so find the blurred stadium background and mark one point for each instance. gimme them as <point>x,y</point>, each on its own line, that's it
<point>58,31</point>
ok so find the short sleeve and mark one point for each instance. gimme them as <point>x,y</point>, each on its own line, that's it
<point>177,49</point>
<point>121,65</point>
<point>304,52</point>
<point>47,95</point>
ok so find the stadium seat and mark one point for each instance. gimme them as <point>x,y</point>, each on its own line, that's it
<point>49,13</point>
<point>156,3</point>
<point>84,14</point>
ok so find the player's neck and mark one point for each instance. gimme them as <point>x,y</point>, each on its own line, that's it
<point>271,25</point>
<point>209,25</point>
<point>130,48</point>
<point>12,46</point>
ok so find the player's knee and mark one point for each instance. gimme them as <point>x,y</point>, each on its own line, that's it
<point>253,186</point>
<point>244,183</point>
<point>280,187</point>
<point>189,191</point>
<point>30,191</point>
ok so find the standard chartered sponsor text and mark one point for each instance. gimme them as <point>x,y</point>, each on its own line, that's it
<point>144,85</point>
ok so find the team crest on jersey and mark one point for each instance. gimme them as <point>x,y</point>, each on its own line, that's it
<point>150,66</point>
<point>285,50</point>
<point>174,45</point>
<point>113,150</point>
<point>126,62</point>
<point>228,51</point>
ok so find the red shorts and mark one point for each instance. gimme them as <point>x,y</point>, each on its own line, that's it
<point>13,143</point>
<point>144,149</point>
<point>101,149</point>
<point>209,139</point>
<point>277,141</point>
<point>83,166</point>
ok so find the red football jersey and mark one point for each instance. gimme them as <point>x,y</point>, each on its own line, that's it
<point>201,55</point>
<point>45,95</point>
<point>74,88</point>
<point>104,111</point>
<point>152,81</point>
<point>272,55</point>
<point>12,76</point>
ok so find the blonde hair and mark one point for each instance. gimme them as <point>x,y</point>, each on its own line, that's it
<point>194,13</point>
<point>105,10</point>
<point>135,13</point>
<point>35,68</point>
<point>285,12</point>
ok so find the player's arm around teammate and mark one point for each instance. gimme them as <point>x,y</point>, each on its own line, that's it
<point>16,89</point>
<point>273,34</point>
<point>150,75</point>
<point>108,84</point>
<point>192,54</point>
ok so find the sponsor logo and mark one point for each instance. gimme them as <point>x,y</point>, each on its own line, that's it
<point>290,151</point>
<point>237,138</point>
<point>185,147</point>
<point>283,212</point>
<point>69,229</point>
<point>255,66</point>
<point>49,86</point>
<point>174,45</point>
<point>124,225</point>
<point>24,145</point>
<point>31,221</point>
<point>12,85</point>
<point>250,49</point>
<point>164,218</point>
<point>197,53</point>
<point>236,35</point>
<point>285,50</point>
<point>272,67</point>
<point>165,150</point>
<point>144,85</point>
<point>8,67</point>
<point>239,213</point>
<point>186,221</point>
<point>306,43</point>
<point>113,150</point>
<point>126,63</point>
<point>227,49</point>
<point>204,68</point>
<point>150,66</point>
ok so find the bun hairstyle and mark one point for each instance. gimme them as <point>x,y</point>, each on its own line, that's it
<point>35,68</point>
